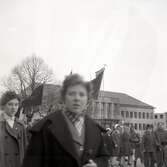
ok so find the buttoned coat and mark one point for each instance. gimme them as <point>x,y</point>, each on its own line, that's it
<point>161,143</point>
<point>116,140</point>
<point>148,142</point>
<point>125,146</point>
<point>12,143</point>
<point>52,144</point>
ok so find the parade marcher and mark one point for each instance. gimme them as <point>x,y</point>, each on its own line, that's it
<point>148,147</point>
<point>161,138</point>
<point>125,146</point>
<point>165,156</point>
<point>136,145</point>
<point>108,140</point>
<point>13,139</point>
<point>115,159</point>
<point>68,137</point>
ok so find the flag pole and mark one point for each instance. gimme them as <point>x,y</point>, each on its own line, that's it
<point>104,66</point>
<point>103,115</point>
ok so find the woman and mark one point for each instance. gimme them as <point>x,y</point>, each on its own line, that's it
<point>68,137</point>
<point>12,132</point>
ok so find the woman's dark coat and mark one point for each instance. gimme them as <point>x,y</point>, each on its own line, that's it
<point>12,143</point>
<point>52,144</point>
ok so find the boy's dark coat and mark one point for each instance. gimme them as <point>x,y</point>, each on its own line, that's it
<point>52,144</point>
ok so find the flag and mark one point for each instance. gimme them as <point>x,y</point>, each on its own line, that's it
<point>35,98</point>
<point>96,83</point>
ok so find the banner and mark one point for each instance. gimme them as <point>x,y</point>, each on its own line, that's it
<point>96,83</point>
<point>35,98</point>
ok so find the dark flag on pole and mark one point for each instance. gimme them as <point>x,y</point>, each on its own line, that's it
<point>96,83</point>
<point>35,98</point>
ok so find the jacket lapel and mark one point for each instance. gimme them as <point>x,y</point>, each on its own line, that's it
<point>60,130</point>
<point>11,131</point>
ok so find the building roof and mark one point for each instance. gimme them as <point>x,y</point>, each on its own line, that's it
<point>125,99</point>
<point>52,92</point>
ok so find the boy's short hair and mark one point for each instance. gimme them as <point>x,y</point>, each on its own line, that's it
<point>75,79</point>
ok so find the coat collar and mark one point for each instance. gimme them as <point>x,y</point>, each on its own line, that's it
<point>11,131</point>
<point>60,130</point>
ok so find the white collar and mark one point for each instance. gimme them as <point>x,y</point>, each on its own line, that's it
<point>7,117</point>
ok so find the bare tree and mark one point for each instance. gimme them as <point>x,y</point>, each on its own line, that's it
<point>25,77</point>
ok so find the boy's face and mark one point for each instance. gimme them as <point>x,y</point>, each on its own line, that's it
<point>76,99</point>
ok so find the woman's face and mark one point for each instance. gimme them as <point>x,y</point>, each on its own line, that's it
<point>76,99</point>
<point>11,107</point>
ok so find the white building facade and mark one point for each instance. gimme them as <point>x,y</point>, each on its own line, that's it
<point>113,107</point>
<point>160,118</point>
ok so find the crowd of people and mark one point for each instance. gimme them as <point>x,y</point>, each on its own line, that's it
<point>126,146</point>
<point>69,137</point>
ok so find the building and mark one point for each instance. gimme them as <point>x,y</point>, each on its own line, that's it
<point>113,107</point>
<point>160,118</point>
<point>110,107</point>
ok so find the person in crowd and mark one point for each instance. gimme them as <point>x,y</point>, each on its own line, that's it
<point>108,140</point>
<point>115,159</point>
<point>68,137</point>
<point>13,139</point>
<point>110,143</point>
<point>135,144</point>
<point>148,146</point>
<point>165,156</point>
<point>125,146</point>
<point>161,138</point>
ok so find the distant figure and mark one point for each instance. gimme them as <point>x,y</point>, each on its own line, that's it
<point>12,132</point>
<point>109,141</point>
<point>68,137</point>
<point>115,158</point>
<point>136,145</point>
<point>148,147</point>
<point>161,138</point>
<point>125,146</point>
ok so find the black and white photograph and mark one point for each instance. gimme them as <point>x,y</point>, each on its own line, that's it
<point>83,83</point>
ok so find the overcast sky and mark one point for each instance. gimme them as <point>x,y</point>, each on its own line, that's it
<point>129,36</point>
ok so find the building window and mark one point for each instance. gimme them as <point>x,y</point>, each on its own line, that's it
<point>140,128</point>
<point>122,114</point>
<point>161,116</point>
<point>144,126</point>
<point>98,110</point>
<point>135,114</point>
<point>147,115</point>
<point>127,114</point>
<point>95,110</point>
<point>143,115</point>
<point>102,110</point>
<point>131,114</point>
<point>139,114</point>
<point>155,116</point>
<point>109,115</point>
<point>136,126</point>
